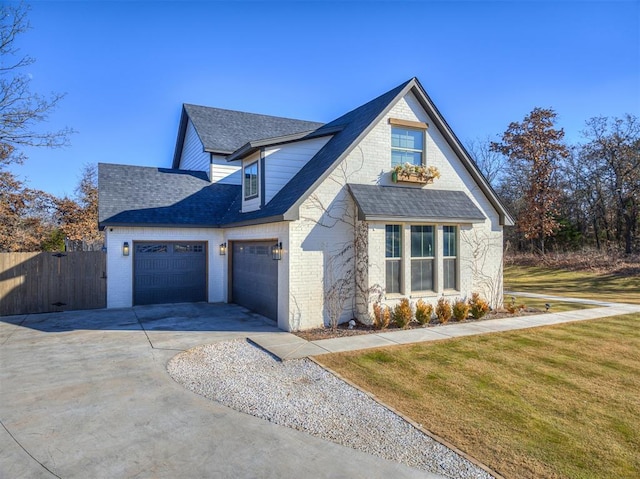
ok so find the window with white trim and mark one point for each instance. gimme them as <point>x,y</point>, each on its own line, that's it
<point>251,181</point>
<point>393,258</point>
<point>422,258</point>
<point>407,146</point>
<point>450,257</point>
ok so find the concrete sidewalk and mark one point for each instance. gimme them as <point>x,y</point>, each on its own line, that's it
<point>289,346</point>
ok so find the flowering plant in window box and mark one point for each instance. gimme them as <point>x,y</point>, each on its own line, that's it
<point>415,173</point>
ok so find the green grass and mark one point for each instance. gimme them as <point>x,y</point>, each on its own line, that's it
<point>560,401</point>
<point>555,402</point>
<point>577,284</point>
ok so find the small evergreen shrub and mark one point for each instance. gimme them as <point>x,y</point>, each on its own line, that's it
<point>423,312</point>
<point>478,306</point>
<point>402,313</point>
<point>460,309</point>
<point>443,310</point>
<point>381,316</point>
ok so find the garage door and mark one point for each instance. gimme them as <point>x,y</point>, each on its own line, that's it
<point>255,277</point>
<point>169,272</point>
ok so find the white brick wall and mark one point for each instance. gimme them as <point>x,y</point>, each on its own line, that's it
<point>325,228</point>
<point>480,245</point>
<point>120,268</point>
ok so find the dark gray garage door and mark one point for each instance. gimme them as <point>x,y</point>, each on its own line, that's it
<point>255,277</point>
<point>169,272</point>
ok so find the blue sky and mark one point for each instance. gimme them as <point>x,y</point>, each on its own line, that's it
<point>127,67</point>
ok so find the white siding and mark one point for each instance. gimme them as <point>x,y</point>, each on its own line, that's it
<point>193,156</point>
<point>283,162</point>
<point>223,172</point>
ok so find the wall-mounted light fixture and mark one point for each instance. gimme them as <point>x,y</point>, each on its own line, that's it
<point>125,248</point>
<point>223,249</point>
<point>276,251</point>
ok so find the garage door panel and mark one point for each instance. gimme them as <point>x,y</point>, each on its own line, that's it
<point>255,277</point>
<point>169,273</point>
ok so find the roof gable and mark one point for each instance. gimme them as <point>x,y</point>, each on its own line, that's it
<point>224,131</point>
<point>227,131</point>
<point>355,126</point>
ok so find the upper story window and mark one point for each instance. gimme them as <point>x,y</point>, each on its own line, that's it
<point>251,180</point>
<point>407,142</point>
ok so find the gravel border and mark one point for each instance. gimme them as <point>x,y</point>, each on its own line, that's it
<point>302,395</point>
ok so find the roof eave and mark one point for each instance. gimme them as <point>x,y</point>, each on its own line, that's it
<point>253,146</point>
<point>423,219</point>
<point>119,224</point>
<point>182,131</point>
<point>293,210</point>
<point>256,221</point>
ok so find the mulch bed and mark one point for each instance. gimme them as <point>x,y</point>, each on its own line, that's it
<point>343,329</point>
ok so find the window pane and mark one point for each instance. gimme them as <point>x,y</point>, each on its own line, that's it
<point>450,274</point>
<point>421,241</point>
<point>405,138</point>
<point>400,157</point>
<point>251,180</point>
<point>151,248</point>
<point>393,276</point>
<point>392,241</point>
<point>449,240</point>
<point>422,275</point>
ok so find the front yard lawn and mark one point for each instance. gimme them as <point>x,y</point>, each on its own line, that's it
<point>577,284</point>
<point>560,401</point>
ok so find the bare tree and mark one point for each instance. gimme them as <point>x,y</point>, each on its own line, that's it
<point>25,214</point>
<point>613,153</point>
<point>490,162</point>
<point>20,108</point>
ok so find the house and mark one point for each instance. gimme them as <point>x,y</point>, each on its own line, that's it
<point>304,222</point>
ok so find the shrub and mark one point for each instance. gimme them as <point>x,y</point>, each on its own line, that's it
<point>511,307</point>
<point>478,306</point>
<point>402,313</point>
<point>423,312</point>
<point>381,316</point>
<point>443,310</point>
<point>460,309</point>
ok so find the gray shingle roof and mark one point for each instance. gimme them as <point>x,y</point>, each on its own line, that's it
<point>137,195</point>
<point>224,131</point>
<point>181,198</point>
<point>352,125</point>
<point>382,202</point>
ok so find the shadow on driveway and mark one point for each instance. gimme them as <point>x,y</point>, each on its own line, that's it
<point>159,317</point>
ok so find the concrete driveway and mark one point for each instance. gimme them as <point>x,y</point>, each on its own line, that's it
<point>86,394</point>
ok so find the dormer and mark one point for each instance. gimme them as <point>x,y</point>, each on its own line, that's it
<point>207,137</point>
<point>268,165</point>
<point>252,182</point>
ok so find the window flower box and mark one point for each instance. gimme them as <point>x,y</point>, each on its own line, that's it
<point>409,173</point>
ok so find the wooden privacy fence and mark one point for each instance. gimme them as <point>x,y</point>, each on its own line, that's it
<point>45,282</point>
